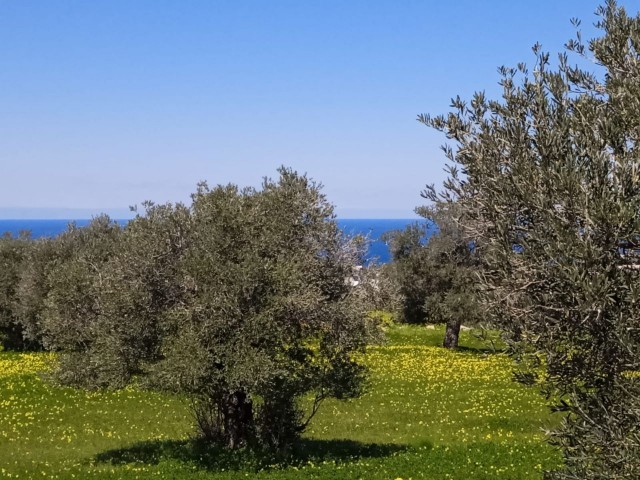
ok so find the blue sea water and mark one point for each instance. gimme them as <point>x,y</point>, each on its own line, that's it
<point>373,228</point>
<point>41,228</point>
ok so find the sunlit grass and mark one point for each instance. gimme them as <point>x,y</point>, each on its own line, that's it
<point>428,413</point>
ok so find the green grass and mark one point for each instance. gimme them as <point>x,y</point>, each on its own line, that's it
<point>428,413</point>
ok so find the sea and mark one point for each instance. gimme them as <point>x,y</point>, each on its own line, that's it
<point>371,227</point>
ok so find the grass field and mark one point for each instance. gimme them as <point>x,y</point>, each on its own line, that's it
<point>428,413</point>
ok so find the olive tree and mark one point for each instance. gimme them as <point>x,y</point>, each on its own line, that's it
<point>409,271</point>
<point>240,302</point>
<point>271,318</point>
<point>451,265</point>
<point>436,273</point>
<point>72,305</point>
<point>548,178</point>
<point>104,304</point>
<point>13,252</point>
<point>41,258</point>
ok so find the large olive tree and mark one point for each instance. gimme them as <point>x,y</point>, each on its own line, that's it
<point>549,181</point>
<point>241,302</point>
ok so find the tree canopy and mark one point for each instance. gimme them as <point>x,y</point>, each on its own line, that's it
<point>242,302</point>
<point>436,271</point>
<point>548,178</point>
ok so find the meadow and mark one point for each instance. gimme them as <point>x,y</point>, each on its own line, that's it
<point>427,413</point>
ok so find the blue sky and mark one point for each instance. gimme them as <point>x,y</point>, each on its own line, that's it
<point>106,104</point>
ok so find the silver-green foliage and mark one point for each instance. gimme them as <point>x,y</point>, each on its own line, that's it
<point>13,252</point>
<point>436,275</point>
<point>271,316</point>
<point>549,180</point>
<point>241,302</point>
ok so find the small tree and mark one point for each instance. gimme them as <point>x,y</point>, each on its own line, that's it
<point>72,303</point>
<point>452,267</point>
<point>436,275</point>
<point>551,195</point>
<point>409,270</point>
<point>105,303</point>
<point>33,286</point>
<point>13,252</point>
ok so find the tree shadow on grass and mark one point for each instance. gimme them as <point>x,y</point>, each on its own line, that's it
<point>481,350</point>
<point>207,457</point>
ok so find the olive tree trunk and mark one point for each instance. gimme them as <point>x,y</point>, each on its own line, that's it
<point>238,419</point>
<point>452,334</point>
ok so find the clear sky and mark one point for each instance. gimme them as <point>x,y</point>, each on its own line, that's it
<point>104,104</point>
